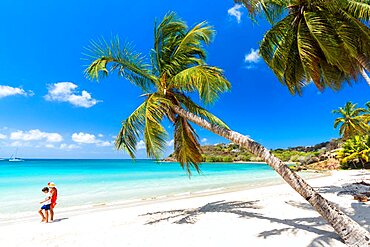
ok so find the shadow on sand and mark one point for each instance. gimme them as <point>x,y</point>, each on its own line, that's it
<point>59,220</point>
<point>243,210</point>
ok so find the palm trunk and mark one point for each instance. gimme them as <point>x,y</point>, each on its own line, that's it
<point>349,230</point>
<point>365,76</point>
<point>364,65</point>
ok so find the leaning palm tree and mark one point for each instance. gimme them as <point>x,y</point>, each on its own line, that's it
<point>178,70</point>
<point>322,41</point>
<point>351,121</point>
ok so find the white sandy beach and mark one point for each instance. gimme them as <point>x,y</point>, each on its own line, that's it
<point>267,216</point>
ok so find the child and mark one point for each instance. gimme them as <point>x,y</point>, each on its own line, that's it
<point>45,205</point>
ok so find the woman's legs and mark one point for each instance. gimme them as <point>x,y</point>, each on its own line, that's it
<point>51,214</point>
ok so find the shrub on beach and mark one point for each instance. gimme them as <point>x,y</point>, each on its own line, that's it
<point>355,153</point>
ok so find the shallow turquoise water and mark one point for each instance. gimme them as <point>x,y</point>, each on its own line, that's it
<point>89,182</point>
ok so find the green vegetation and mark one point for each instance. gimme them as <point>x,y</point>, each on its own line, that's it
<point>355,152</point>
<point>326,42</point>
<point>234,153</point>
<point>355,129</point>
<point>352,121</point>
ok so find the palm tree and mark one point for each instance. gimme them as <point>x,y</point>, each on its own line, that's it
<point>351,121</point>
<point>178,68</point>
<point>323,41</point>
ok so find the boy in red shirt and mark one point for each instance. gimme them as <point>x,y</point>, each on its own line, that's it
<point>54,195</point>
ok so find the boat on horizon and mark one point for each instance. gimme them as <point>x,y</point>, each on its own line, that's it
<point>14,158</point>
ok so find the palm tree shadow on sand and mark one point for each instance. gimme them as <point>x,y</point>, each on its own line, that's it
<point>243,210</point>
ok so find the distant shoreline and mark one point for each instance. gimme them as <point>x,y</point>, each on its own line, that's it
<point>234,162</point>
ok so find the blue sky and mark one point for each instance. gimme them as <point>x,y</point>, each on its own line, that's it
<point>50,110</point>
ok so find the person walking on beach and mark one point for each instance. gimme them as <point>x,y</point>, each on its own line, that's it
<point>44,210</point>
<point>54,195</point>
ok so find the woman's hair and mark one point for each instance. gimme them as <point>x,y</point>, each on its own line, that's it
<point>45,189</point>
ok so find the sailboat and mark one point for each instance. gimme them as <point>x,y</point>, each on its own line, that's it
<point>14,158</point>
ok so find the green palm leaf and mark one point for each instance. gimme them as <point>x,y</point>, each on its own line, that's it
<point>358,8</point>
<point>333,41</point>
<point>164,34</point>
<point>131,130</point>
<point>154,133</point>
<point>127,63</point>
<point>207,80</point>
<point>186,146</point>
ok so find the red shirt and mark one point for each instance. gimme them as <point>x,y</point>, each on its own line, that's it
<point>54,195</point>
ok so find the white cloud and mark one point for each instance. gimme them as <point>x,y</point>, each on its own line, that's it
<point>84,138</point>
<point>65,146</point>
<point>35,135</point>
<point>11,91</point>
<point>235,11</point>
<point>2,136</point>
<point>140,145</point>
<point>66,92</point>
<point>252,56</point>
<point>20,144</point>
<point>104,144</point>
<point>100,135</point>
<point>204,140</point>
<point>170,143</point>
<point>49,146</point>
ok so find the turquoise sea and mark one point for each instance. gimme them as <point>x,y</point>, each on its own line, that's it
<point>85,183</point>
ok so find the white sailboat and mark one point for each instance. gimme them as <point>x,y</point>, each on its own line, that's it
<point>14,158</point>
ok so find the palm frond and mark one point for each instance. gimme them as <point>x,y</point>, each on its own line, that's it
<point>294,73</point>
<point>131,130</point>
<point>309,54</point>
<point>169,30</point>
<point>271,9</point>
<point>187,50</point>
<point>201,32</point>
<point>326,36</point>
<point>275,44</point>
<point>332,76</point>
<point>124,60</point>
<point>187,150</point>
<point>338,121</point>
<point>360,9</point>
<point>155,135</point>
<point>208,81</point>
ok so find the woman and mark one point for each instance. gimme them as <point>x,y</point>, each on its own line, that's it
<point>54,195</point>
